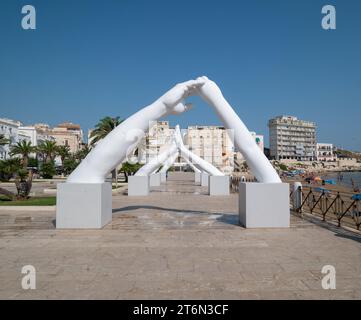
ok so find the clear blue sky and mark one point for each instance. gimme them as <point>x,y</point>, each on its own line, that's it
<point>89,59</point>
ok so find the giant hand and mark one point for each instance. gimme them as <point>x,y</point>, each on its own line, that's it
<point>169,162</point>
<point>113,149</point>
<point>187,154</point>
<point>174,97</point>
<point>257,161</point>
<point>157,161</point>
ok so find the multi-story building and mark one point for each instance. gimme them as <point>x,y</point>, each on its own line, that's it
<point>36,134</point>
<point>291,138</point>
<point>213,144</point>
<point>63,134</point>
<point>325,152</point>
<point>10,129</point>
<point>66,134</point>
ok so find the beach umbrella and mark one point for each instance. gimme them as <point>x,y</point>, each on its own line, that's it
<point>356,196</point>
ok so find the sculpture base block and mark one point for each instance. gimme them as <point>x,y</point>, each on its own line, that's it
<point>204,179</point>
<point>197,178</point>
<point>163,177</point>
<point>218,186</point>
<point>83,205</point>
<point>138,186</point>
<point>264,205</point>
<point>154,180</point>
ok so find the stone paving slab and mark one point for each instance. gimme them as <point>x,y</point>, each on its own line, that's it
<point>174,245</point>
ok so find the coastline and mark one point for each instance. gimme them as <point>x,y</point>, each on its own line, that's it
<point>339,186</point>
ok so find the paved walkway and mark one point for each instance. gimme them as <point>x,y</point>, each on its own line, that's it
<point>178,243</point>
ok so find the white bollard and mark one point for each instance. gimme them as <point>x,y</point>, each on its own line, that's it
<point>197,178</point>
<point>204,179</point>
<point>264,205</point>
<point>154,180</point>
<point>218,186</point>
<point>297,195</point>
<point>138,186</point>
<point>163,177</point>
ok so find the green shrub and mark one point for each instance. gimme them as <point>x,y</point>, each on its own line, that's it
<point>33,163</point>
<point>69,165</point>
<point>129,169</point>
<point>47,170</point>
<point>8,168</point>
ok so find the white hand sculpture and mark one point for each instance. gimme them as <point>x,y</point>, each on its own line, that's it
<point>112,150</point>
<point>186,154</point>
<point>157,161</point>
<point>169,162</point>
<point>255,158</point>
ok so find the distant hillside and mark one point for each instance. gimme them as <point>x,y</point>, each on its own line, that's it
<point>347,154</point>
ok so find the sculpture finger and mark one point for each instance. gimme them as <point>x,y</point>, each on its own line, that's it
<point>191,85</point>
<point>181,107</point>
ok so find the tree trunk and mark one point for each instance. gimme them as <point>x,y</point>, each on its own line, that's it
<point>25,162</point>
<point>24,186</point>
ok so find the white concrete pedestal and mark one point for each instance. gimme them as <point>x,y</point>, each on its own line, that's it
<point>204,179</point>
<point>218,186</point>
<point>138,186</point>
<point>83,205</point>
<point>163,177</point>
<point>264,205</point>
<point>197,178</point>
<point>154,180</point>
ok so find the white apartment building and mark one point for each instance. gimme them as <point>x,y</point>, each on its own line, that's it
<point>35,134</point>
<point>325,152</point>
<point>10,129</point>
<point>67,134</point>
<point>213,144</point>
<point>291,138</point>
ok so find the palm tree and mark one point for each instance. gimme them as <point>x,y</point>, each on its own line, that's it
<point>22,148</point>
<point>23,183</point>
<point>48,149</point>
<point>63,152</point>
<point>102,129</point>
<point>3,140</point>
<point>82,153</point>
<point>129,169</point>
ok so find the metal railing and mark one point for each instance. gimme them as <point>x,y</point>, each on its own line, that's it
<point>342,207</point>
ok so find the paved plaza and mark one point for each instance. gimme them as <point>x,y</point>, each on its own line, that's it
<point>177,243</point>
